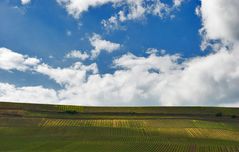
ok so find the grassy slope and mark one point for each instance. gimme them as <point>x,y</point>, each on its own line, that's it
<point>31,127</point>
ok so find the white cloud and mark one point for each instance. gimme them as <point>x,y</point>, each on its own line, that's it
<point>177,2</point>
<point>77,54</point>
<point>76,7</point>
<point>128,9</point>
<point>159,9</point>
<point>10,60</point>
<point>30,94</point>
<point>129,86</point>
<point>71,76</point>
<point>136,10</point>
<point>152,80</point>
<point>122,17</point>
<point>220,20</point>
<point>210,80</point>
<point>24,2</point>
<point>100,44</point>
<point>161,63</point>
<point>161,80</point>
<point>198,11</point>
<point>113,22</point>
<point>155,51</point>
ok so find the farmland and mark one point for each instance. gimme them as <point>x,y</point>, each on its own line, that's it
<point>33,127</point>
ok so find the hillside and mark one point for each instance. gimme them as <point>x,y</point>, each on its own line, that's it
<point>35,127</point>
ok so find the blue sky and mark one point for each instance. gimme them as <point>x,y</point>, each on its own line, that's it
<point>48,31</point>
<point>40,29</point>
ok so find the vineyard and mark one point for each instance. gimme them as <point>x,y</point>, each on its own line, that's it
<point>58,128</point>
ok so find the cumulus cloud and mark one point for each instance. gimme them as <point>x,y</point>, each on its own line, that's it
<point>152,80</point>
<point>24,2</point>
<point>162,80</point>
<point>30,94</point>
<point>77,54</point>
<point>130,84</point>
<point>74,75</point>
<point>10,60</point>
<point>210,80</point>
<point>137,10</point>
<point>100,44</point>
<point>76,7</point>
<point>161,63</point>
<point>128,9</point>
<point>220,21</point>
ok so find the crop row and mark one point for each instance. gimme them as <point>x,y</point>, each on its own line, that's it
<point>212,133</point>
<point>118,123</point>
<point>184,123</point>
<point>149,147</point>
<point>94,123</point>
<point>144,127</point>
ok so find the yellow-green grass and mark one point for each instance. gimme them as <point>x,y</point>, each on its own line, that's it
<point>164,111</point>
<point>43,128</point>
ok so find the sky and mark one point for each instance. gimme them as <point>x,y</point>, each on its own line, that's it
<point>120,52</point>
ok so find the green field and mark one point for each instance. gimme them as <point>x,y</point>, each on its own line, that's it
<point>33,127</point>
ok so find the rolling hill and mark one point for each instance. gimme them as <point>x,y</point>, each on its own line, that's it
<point>35,127</point>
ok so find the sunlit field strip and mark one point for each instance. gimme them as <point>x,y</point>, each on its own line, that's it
<point>93,123</point>
<point>148,123</point>
<point>146,130</point>
<point>212,133</point>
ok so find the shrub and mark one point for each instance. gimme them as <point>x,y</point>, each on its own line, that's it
<point>234,116</point>
<point>219,114</point>
<point>71,112</point>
